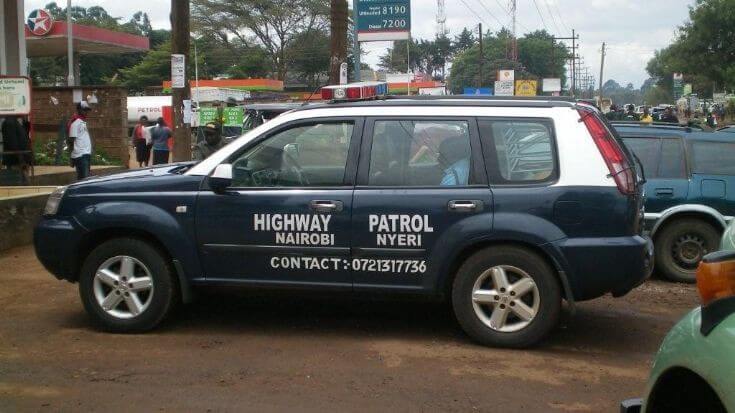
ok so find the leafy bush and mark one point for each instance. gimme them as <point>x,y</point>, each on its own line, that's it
<point>45,154</point>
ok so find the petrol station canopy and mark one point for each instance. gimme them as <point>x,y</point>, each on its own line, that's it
<point>86,39</point>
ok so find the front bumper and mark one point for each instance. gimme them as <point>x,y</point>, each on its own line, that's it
<point>57,241</point>
<point>598,266</point>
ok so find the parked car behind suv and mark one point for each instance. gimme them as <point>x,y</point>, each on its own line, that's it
<point>690,193</point>
<point>504,207</point>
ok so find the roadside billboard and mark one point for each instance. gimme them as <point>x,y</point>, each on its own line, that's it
<point>504,88</point>
<point>15,96</point>
<point>506,75</point>
<point>551,85</point>
<point>383,20</point>
<point>526,87</point>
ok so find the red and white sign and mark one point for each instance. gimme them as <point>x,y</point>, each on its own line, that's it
<point>40,22</point>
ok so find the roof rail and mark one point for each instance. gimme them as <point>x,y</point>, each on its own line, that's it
<point>487,98</point>
<point>657,125</point>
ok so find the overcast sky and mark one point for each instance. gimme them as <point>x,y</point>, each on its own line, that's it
<point>632,29</point>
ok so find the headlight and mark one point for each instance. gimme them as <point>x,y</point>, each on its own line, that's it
<point>716,276</point>
<point>54,200</point>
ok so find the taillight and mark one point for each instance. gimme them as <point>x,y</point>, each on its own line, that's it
<point>611,152</point>
<point>716,276</point>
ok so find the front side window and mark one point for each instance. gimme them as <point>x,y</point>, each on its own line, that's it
<point>519,151</point>
<point>420,153</point>
<point>647,150</point>
<point>313,155</point>
<point>713,158</point>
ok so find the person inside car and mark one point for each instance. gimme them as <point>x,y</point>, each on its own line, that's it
<point>455,153</point>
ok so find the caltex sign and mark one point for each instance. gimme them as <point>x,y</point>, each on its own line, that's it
<point>40,22</point>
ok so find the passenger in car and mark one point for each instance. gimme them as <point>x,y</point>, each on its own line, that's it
<point>455,152</point>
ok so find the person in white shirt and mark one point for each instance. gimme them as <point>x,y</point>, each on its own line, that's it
<point>80,142</point>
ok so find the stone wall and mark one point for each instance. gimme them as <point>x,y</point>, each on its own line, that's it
<point>107,122</point>
<point>18,217</point>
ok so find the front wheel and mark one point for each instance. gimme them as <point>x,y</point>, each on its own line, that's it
<point>126,286</point>
<point>506,297</point>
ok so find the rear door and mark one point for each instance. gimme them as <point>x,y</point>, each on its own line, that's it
<point>286,218</point>
<point>664,164</point>
<point>418,178</point>
<point>713,174</point>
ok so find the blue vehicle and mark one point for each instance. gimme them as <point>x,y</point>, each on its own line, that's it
<point>504,207</point>
<point>690,192</point>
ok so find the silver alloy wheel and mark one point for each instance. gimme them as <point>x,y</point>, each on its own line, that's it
<point>123,287</point>
<point>505,298</point>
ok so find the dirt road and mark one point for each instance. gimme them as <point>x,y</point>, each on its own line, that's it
<point>242,352</point>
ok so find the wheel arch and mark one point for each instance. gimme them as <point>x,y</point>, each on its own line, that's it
<point>666,391</point>
<point>99,236</point>
<point>701,212</point>
<point>468,250</point>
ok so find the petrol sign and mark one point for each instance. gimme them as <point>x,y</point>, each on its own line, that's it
<point>381,20</point>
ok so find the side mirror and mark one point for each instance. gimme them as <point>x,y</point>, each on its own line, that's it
<point>221,179</point>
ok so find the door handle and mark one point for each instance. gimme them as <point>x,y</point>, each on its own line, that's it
<point>326,206</point>
<point>665,191</point>
<point>465,206</point>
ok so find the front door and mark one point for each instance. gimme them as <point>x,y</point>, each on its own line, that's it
<point>418,179</point>
<point>286,219</point>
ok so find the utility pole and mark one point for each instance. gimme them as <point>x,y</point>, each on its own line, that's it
<point>572,60</point>
<point>356,46</point>
<point>574,63</point>
<point>479,75</point>
<point>69,47</point>
<point>338,39</point>
<point>602,69</point>
<point>514,45</point>
<point>180,45</point>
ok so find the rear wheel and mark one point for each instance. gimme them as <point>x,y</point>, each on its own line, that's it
<point>126,285</point>
<point>506,297</point>
<point>681,245</point>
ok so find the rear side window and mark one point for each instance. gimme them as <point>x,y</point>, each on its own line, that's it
<point>519,151</point>
<point>673,160</point>
<point>410,153</point>
<point>647,150</point>
<point>713,158</point>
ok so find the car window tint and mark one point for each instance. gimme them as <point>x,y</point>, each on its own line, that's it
<point>713,158</point>
<point>420,153</point>
<point>647,150</point>
<point>312,155</point>
<point>520,151</point>
<point>673,161</point>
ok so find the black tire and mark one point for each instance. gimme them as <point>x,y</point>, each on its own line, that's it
<point>675,237</point>
<point>164,295</point>
<point>549,294</point>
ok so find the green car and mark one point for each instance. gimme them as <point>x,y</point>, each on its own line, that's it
<point>694,370</point>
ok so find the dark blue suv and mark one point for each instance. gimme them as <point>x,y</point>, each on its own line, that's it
<point>506,208</point>
<point>690,193</point>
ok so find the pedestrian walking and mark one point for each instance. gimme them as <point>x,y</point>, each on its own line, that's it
<point>212,142</point>
<point>159,138</point>
<point>80,143</point>
<point>142,148</point>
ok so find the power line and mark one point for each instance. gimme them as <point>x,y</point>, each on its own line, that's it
<point>474,12</point>
<point>553,19</point>
<point>540,15</point>
<point>561,18</point>
<point>482,4</point>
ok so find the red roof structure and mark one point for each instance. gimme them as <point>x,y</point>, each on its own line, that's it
<point>87,40</point>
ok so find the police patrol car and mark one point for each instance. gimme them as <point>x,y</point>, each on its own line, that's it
<point>504,207</point>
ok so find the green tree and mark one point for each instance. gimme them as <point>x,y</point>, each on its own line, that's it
<point>308,57</point>
<point>704,50</point>
<point>273,24</point>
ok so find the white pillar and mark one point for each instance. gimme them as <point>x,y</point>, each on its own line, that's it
<point>3,57</point>
<point>22,55</point>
